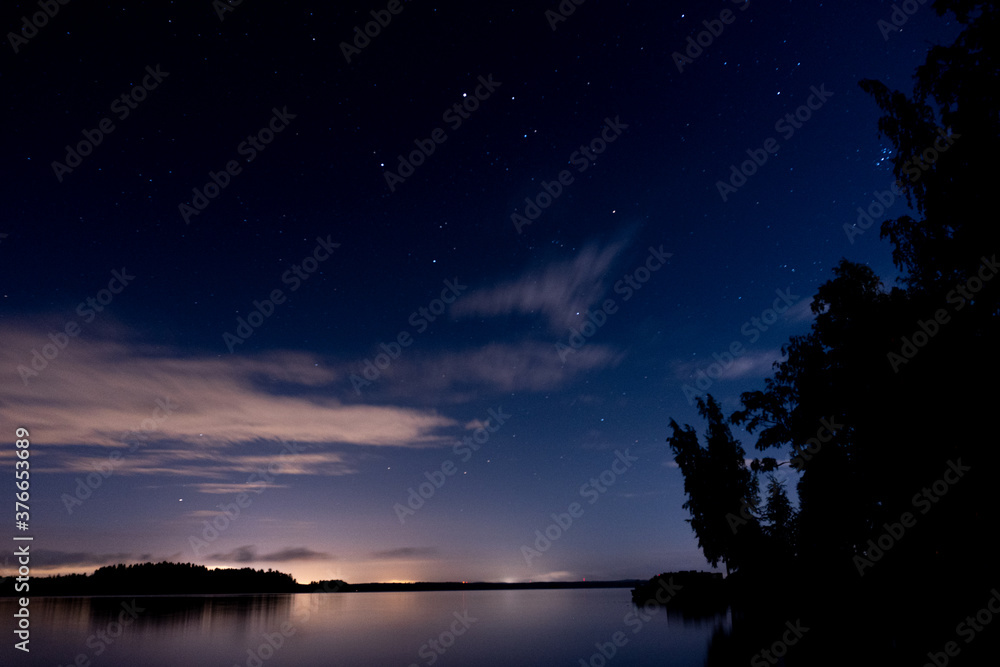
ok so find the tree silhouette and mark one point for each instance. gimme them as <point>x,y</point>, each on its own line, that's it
<point>167,578</point>
<point>901,424</point>
<point>960,82</point>
<point>836,373</point>
<point>781,517</point>
<point>909,374</point>
<point>719,487</point>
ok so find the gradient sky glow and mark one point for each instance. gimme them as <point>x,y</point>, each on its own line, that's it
<point>154,360</point>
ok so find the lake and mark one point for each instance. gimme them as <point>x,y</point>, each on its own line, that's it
<point>506,627</point>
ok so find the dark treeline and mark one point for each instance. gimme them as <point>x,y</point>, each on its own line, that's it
<point>693,593</point>
<point>167,579</point>
<point>887,406</point>
<point>188,579</point>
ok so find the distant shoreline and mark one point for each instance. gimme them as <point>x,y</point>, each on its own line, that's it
<point>175,579</point>
<point>486,585</point>
<point>167,579</point>
<point>373,587</point>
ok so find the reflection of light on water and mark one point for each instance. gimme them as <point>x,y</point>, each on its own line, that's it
<point>370,628</point>
<point>304,606</point>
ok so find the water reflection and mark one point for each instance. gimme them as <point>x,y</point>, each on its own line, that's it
<point>512,627</point>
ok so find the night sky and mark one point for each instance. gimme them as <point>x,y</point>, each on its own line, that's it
<point>251,267</point>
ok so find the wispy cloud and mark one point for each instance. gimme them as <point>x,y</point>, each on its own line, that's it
<point>404,553</point>
<point>751,364</point>
<point>257,486</point>
<point>213,420</point>
<point>248,554</point>
<point>801,311</point>
<point>465,375</point>
<point>556,292</point>
<point>97,390</point>
<point>53,558</point>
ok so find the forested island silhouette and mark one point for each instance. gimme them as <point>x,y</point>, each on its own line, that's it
<point>166,578</point>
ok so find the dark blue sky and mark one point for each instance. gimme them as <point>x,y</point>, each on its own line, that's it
<point>267,93</point>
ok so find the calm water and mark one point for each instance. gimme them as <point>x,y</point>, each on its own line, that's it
<point>510,628</point>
